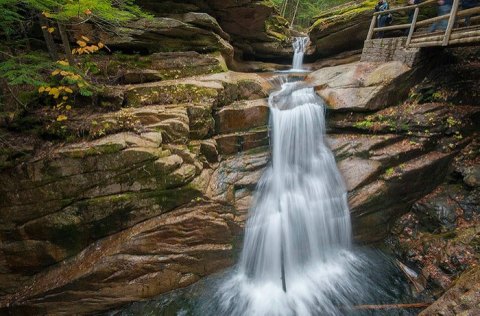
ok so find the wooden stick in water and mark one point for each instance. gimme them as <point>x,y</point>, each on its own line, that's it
<point>391,306</point>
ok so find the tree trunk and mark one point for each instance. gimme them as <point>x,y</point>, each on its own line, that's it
<point>66,44</point>
<point>289,10</point>
<point>294,14</point>
<point>283,7</point>
<point>25,36</point>
<point>48,38</point>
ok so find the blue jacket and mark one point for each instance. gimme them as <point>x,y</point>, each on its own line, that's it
<point>467,4</point>
<point>382,7</point>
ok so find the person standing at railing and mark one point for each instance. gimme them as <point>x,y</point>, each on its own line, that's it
<point>468,4</point>
<point>411,12</point>
<point>444,7</point>
<point>382,19</point>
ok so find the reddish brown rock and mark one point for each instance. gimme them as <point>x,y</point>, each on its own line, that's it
<point>177,248</point>
<point>229,144</point>
<point>242,115</point>
<point>360,86</point>
<point>461,299</point>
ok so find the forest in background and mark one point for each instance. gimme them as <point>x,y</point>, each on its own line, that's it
<point>303,11</point>
<point>30,73</point>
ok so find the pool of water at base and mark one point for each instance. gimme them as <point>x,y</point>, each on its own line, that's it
<point>387,286</point>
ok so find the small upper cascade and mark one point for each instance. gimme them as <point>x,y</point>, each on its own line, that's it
<point>299,47</point>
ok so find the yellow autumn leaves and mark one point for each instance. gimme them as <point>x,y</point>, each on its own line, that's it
<point>61,93</point>
<point>85,48</point>
<point>49,29</point>
<point>69,80</point>
<point>55,91</point>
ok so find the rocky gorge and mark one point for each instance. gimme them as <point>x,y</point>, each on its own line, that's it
<point>148,190</point>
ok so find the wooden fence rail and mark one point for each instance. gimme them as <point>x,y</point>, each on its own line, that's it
<point>448,37</point>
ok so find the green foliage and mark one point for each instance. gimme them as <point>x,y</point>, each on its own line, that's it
<point>26,69</point>
<point>308,9</point>
<point>10,16</point>
<point>366,124</point>
<point>389,172</point>
<point>100,11</point>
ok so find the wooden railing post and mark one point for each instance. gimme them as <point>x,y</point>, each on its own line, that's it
<point>412,27</point>
<point>451,22</point>
<point>372,26</point>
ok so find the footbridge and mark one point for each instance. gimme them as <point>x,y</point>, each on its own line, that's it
<point>457,33</point>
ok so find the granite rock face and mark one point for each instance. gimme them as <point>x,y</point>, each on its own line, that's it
<point>439,236</point>
<point>254,27</point>
<point>161,34</point>
<point>362,86</point>
<point>461,299</point>
<point>393,144</point>
<point>154,196</point>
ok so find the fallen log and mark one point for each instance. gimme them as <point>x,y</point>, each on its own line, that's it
<point>391,306</point>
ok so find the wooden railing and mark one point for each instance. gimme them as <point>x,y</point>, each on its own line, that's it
<point>445,38</point>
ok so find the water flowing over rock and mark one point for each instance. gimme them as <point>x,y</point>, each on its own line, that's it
<point>299,47</point>
<point>297,256</point>
<point>300,215</point>
<point>148,190</point>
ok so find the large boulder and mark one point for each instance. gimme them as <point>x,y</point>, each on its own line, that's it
<point>133,69</point>
<point>254,27</point>
<point>461,299</point>
<point>163,34</point>
<point>362,86</point>
<point>161,254</point>
<point>342,28</point>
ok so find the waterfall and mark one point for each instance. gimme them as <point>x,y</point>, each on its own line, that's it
<point>301,208</point>
<point>299,47</point>
<point>296,258</point>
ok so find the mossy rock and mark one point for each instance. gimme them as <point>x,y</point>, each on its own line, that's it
<point>85,221</point>
<point>277,26</point>
<point>170,94</point>
<point>343,28</point>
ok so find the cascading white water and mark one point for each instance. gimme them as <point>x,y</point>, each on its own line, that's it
<point>301,213</point>
<point>299,47</point>
<point>296,258</point>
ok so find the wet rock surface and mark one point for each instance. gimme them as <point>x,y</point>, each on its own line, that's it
<point>149,193</point>
<point>255,29</point>
<point>392,145</point>
<point>439,238</point>
<point>461,299</point>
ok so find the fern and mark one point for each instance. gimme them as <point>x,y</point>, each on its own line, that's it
<point>10,16</point>
<point>112,11</point>
<point>26,69</point>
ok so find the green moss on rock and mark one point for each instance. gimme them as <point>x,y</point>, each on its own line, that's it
<point>170,94</point>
